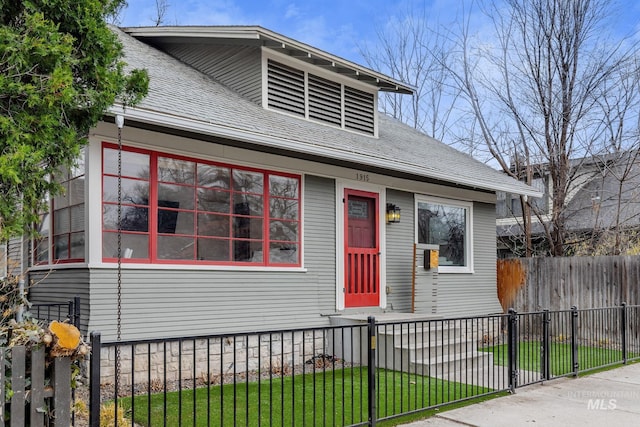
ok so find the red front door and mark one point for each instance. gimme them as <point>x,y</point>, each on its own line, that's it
<point>362,249</point>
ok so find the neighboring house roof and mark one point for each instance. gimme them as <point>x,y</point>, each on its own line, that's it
<point>183,99</point>
<point>605,193</point>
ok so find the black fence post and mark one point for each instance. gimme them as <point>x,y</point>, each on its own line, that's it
<point>546,346</point>
<point>512,349</point>
<point>574,340</point>
<point>94,380</point>
<point>623,328</point>
<point>371,370</point>
<point>76,312</point>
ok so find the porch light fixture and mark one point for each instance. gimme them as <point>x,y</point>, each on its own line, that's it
<point>393,213</point>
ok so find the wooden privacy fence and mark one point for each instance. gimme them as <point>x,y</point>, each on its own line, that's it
<point>48,402</point>
<point>533,284</point>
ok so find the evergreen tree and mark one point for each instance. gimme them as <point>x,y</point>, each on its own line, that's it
<point>61,68</point>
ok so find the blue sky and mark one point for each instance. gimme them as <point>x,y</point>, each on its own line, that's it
<point>336,26</point>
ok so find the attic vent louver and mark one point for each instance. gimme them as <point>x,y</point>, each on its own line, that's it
<point>286,88</point>
<point>358,110</point>
<point>324,100</point>
<point>316,98</point>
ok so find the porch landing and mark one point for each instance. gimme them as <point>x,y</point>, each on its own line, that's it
<point>389,317</point>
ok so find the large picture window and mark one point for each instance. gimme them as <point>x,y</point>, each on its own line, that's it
<point>182,210</point>
<point>448,225</point>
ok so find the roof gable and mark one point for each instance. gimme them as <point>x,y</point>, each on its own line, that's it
<point>258,36</point>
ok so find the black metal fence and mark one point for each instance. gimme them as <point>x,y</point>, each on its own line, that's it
<point>47,312</point>
<point>350,375</point>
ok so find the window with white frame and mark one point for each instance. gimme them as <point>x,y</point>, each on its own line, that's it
<point>188,211</point>
<point>446,223</point>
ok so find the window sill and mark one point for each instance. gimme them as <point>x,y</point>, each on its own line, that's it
<point>455,270</point>
<point>59,266</point>
<point>190,267</point>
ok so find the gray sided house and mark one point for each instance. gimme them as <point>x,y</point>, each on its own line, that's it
<point>255,179</point>
<point>602,199</point>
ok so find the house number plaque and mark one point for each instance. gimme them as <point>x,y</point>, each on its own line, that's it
<point>364,177</point>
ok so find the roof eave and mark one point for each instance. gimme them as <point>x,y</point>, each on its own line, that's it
<point>181,123</point>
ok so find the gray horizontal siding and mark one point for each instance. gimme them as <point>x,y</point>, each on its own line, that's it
<point>399,239</point>
<point>14,256</point>
<point>166,303</point>
<point>61,286</point>
<point>163,303</point>
<point>239,68</point>
<point>474,294</point>
<point>320,236</point>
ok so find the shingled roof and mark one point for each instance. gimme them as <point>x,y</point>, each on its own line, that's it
<point>183,99</point>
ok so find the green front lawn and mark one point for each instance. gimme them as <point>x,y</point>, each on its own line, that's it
<point>336,397</point>
<point>529,353</point>
<point>331,398</point>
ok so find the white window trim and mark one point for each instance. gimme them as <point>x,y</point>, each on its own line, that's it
<point>468,246</point>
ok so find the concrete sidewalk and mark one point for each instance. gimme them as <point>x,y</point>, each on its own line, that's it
<point>610,398</point>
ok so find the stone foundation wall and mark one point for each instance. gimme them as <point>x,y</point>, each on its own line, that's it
<point>211,359</point>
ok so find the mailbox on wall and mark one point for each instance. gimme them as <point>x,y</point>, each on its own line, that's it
<point>430,259</point>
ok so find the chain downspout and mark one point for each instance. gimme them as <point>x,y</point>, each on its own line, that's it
<point>120,124</point>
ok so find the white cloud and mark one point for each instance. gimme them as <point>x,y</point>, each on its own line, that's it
<point>291,11</point>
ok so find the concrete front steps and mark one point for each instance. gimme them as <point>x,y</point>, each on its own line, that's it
<point>425,345</point>
<point>446,350</point>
